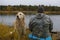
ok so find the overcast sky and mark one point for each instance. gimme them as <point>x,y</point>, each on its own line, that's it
<point>30,2</point>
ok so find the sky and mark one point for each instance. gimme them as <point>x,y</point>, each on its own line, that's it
<point>30,2</point>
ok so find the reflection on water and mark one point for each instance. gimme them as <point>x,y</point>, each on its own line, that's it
<point>9,20</point>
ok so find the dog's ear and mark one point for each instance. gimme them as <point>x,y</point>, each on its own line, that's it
<point>24,17</point>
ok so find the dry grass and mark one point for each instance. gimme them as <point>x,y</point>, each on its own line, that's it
<point>6,35</point>
<point>5,32</point>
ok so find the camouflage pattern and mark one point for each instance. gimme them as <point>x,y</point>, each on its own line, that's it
<point>41,25</point>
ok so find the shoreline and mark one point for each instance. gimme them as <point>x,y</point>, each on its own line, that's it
<point>29,12</point>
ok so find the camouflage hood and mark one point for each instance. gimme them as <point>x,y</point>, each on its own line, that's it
<point>40,15</point>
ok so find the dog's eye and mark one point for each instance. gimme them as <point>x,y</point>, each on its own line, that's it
<point>20,14</point>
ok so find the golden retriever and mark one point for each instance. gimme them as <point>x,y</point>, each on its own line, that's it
<point>19,25</point>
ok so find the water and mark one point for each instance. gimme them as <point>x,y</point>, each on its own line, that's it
<point>9,20</point>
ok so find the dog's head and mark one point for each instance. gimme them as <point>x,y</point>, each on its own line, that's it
<point>20,15</point>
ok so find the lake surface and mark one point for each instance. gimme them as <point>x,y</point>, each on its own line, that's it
<point>9,20</point>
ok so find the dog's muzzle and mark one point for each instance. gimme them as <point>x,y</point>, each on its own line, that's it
<point>17,17</point>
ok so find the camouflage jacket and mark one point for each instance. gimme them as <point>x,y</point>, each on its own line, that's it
<point>41,25</point>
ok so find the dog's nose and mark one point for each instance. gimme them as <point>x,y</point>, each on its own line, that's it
<point>17,16</point>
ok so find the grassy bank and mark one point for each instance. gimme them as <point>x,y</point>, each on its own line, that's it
<point>28,12</point>
<point>5,33</point>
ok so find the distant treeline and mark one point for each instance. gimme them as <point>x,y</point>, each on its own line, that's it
<point>27,8</point>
